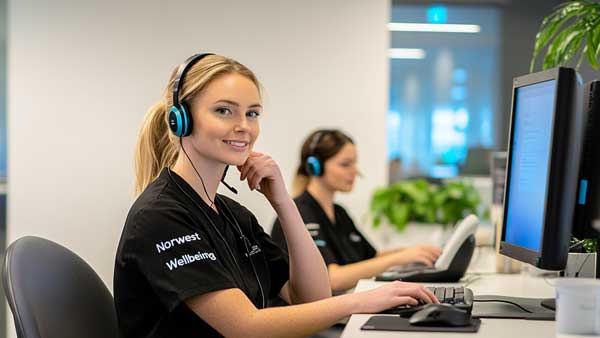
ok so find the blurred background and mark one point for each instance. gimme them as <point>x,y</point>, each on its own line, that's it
<point>423,87</point>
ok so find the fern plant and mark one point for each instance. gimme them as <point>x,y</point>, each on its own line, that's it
<point>564,31</point>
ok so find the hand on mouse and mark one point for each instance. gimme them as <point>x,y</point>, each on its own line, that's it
<point>392,294</point>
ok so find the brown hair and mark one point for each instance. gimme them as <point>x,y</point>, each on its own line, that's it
<point>323,144</point>
<point>156,146</point>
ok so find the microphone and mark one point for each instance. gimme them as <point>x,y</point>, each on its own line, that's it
<point>232,189</point>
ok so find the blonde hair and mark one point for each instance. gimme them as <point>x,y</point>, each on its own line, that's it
<point>156,146</point>
<point>322,144</point>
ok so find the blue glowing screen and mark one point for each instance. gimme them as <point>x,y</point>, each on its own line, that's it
<point>530,160</point>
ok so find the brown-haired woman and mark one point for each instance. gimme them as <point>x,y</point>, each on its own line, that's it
<point>327,166</point>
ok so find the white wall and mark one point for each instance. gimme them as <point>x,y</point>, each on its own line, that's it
<point>82,74</point>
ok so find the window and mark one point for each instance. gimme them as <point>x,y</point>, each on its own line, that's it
<point>443,87</point>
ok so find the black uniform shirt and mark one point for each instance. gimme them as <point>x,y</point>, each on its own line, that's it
<point>169,251</point>
<point>340,243</point>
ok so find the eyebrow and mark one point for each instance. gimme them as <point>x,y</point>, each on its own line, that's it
<point>233,103</point>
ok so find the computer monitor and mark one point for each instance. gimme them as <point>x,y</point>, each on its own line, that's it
<point>544,151</point>
<point>586,221</point>
<point>545,138</point>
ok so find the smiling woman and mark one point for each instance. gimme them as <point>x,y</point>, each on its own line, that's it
<point>192,262</point>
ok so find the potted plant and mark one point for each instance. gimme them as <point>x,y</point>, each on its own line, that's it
<point>417,201</point>
<point>572,28</point>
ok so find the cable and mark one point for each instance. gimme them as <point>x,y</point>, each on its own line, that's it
<point>501,301</point>
<point>229,250</point>
<point>212,202</point>
<point>470,280</point>
<point>248,251</point>
<point>582,264</point>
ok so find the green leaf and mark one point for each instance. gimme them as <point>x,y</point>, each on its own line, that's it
<point>570,45</point>
<point>591,53</point>
<point>552,24</point>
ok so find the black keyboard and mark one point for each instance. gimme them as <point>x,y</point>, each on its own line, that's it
<point>457,296</point>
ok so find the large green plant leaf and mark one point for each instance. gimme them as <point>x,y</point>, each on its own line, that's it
<point>579,22</point>
<point>552,24</point>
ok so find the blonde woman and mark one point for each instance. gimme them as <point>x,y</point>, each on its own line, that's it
<point>192,262</point>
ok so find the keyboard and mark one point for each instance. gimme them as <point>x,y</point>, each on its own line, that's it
<point>457,296</point>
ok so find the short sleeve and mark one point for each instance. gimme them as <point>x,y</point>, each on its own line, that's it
<point>277,258</point>
<point>368,250</point>
<point>277,235</point>
<point>324,246</point>
<point>178,260</point>
<point>321,241</point>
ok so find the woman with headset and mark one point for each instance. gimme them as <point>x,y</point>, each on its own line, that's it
<point>327,166</point>
<point>191,262</point>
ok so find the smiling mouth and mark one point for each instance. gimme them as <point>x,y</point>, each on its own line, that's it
<point>238,145</point>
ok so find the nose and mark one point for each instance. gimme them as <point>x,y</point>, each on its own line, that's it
<point>242,125</point>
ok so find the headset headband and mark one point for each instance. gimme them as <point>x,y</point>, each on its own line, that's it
<point>316,139</point>
<point>183,68</point>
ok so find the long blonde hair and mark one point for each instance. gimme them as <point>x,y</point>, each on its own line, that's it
<point>156,146</point>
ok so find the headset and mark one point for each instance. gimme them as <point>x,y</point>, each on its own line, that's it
<point>181,123</point>
<point>237,228</point>
<point>180,117</point>
<point>313,165</point>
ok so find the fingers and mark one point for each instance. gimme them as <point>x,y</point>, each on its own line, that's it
<point>256,169</point>
<point>403,300</point>
<point>432,296</point>
<point>425,260</point>
<point>415,291</point>
<point>434,250</point>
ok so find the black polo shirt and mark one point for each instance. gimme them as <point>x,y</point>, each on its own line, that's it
<point>340,243</point>
<point>169,251</point>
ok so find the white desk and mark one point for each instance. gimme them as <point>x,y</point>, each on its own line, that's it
<point>520,285</point>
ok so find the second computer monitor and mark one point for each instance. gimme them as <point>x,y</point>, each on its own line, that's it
<point>545,138</point>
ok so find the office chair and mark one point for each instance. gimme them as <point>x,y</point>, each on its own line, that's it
<point>53,293</point>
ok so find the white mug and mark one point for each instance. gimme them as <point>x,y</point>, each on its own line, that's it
<point>578,305</point>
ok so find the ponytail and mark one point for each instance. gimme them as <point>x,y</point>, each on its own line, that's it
<point>300,182</point>
<point>154,149</point>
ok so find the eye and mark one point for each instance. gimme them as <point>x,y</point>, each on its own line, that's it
<point>223,111</point>
<point>253,114</point>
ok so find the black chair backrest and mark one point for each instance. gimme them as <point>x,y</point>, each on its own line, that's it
<point>53,293</point>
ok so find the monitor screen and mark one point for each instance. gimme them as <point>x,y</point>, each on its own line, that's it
<point>531,149</point>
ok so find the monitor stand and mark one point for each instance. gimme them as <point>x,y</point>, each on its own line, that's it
<point>490,306</point>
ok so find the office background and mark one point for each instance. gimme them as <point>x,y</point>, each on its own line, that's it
<point>81,74</point>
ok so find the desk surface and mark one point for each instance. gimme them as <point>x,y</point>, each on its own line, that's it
<point>485,283</point>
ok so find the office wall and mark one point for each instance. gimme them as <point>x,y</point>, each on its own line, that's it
<point>82,74</point>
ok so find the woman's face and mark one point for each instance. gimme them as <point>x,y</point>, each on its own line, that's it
<point>225,116</point>
<point>340,170</point>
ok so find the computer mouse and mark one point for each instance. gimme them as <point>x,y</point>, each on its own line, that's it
<point>440,315</point>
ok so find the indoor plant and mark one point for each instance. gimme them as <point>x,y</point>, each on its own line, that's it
<point>564,31</point>
<point>423,202</point>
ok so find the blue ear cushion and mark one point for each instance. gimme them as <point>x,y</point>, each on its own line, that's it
<point>180,121</point>
<point>187,121</point>
<point>313,166</point>
<point>175,121</point>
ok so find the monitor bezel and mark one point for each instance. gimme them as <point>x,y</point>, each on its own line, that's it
<point>564,78</point>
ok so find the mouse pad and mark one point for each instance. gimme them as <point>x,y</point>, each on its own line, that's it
<point>397,323</point>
